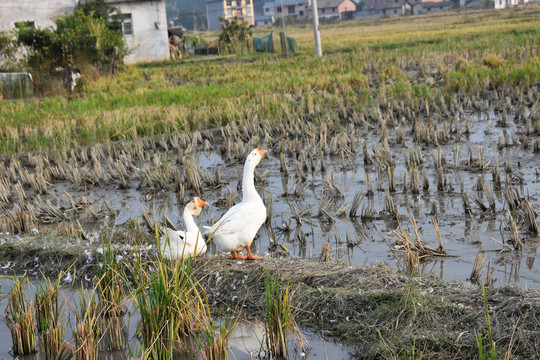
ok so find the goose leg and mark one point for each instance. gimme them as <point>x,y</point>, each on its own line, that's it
<point>250,256</point>
<point>236,256</point>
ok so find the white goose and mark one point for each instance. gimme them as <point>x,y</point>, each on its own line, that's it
<point>238,226</point>
<point>188,243</point>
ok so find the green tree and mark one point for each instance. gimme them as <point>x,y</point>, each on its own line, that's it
<point>78,38</point>
<point>99,9</point>
<point>234,33</point>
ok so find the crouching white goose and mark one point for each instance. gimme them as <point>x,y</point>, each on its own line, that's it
<point>188,243</point>
<point>237,228</point>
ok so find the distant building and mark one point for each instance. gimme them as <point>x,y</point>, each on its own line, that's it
<point>144,26</point>
<point>228,9</point>
<point>505,4</point>
<point>428,7</point>
<point>264,20</point>
<point>387,7</point>
<point>299,9</point>
<point>471,4</point>
<point>268,9</point>
<point>342,9</point>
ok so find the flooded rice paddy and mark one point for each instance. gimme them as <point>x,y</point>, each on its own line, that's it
<point>246,341</point>
<point>344,187</point>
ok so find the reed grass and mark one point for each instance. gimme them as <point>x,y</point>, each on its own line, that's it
<point>87,329</point>
<point>50,320</point>
<point>20,318</point>
<point>279,318</point>
<point>170,301</point>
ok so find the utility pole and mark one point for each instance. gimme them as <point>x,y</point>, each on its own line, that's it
<point>318,49</point>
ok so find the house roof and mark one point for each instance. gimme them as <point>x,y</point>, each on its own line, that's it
<point>328,3</point>
<point>290,2</point>
<point>431,4</point>
<point>263,17</point>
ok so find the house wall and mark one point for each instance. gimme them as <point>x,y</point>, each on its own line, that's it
<point>268,9</point>
<point>347,5</point>
<point>214,9</point>
<point>503,4</point>
<point>300,10</point>
<point>149,41</point>
<point>42,13</point>
<point>336,11</point>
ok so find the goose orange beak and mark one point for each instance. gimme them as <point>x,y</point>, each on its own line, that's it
<point>261,152</point>
<point>201,202</point>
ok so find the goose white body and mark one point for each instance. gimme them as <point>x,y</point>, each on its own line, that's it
<point>188,243</point>
<point>237,228</point>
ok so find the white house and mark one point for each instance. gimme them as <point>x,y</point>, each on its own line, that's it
<point>144,27</point>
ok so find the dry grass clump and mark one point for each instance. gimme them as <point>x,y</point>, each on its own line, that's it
<point>413,247</point>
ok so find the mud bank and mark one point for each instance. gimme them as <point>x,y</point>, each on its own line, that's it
<point>364,305</point>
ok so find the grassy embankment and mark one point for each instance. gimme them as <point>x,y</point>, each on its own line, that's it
<point>365,63</point>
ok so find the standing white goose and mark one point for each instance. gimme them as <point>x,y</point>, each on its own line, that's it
<point>236,229</point>
<point>188,243</point>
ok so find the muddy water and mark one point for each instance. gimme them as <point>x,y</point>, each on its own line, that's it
<point>358,241</point>
<point>246,340</point>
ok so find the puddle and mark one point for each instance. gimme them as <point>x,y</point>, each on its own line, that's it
<point>245,343</point>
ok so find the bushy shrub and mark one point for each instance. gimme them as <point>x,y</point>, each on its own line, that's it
<point>78,39</point>
<point>8,62</point>
<point>234,33</point>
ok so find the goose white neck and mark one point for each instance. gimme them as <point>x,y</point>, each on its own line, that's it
<point>191,226</point>
<point>249,192</point>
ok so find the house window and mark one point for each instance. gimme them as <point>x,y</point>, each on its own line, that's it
<point>301,13</point>
<point>279,9</point>
<point>239,12</point>
<point>376,2</point>
<point>127,24</point>
<point>25,25</point>
<point>228,2</point>
<point>333,9</point>
<point>248,2</point>
<point>290,8</point>
<point>397,1</point>
<point>395,11</point>
<point>323,10</point>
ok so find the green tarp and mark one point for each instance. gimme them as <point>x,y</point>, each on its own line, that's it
<point>264,43</point>
<point>288,44</point>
